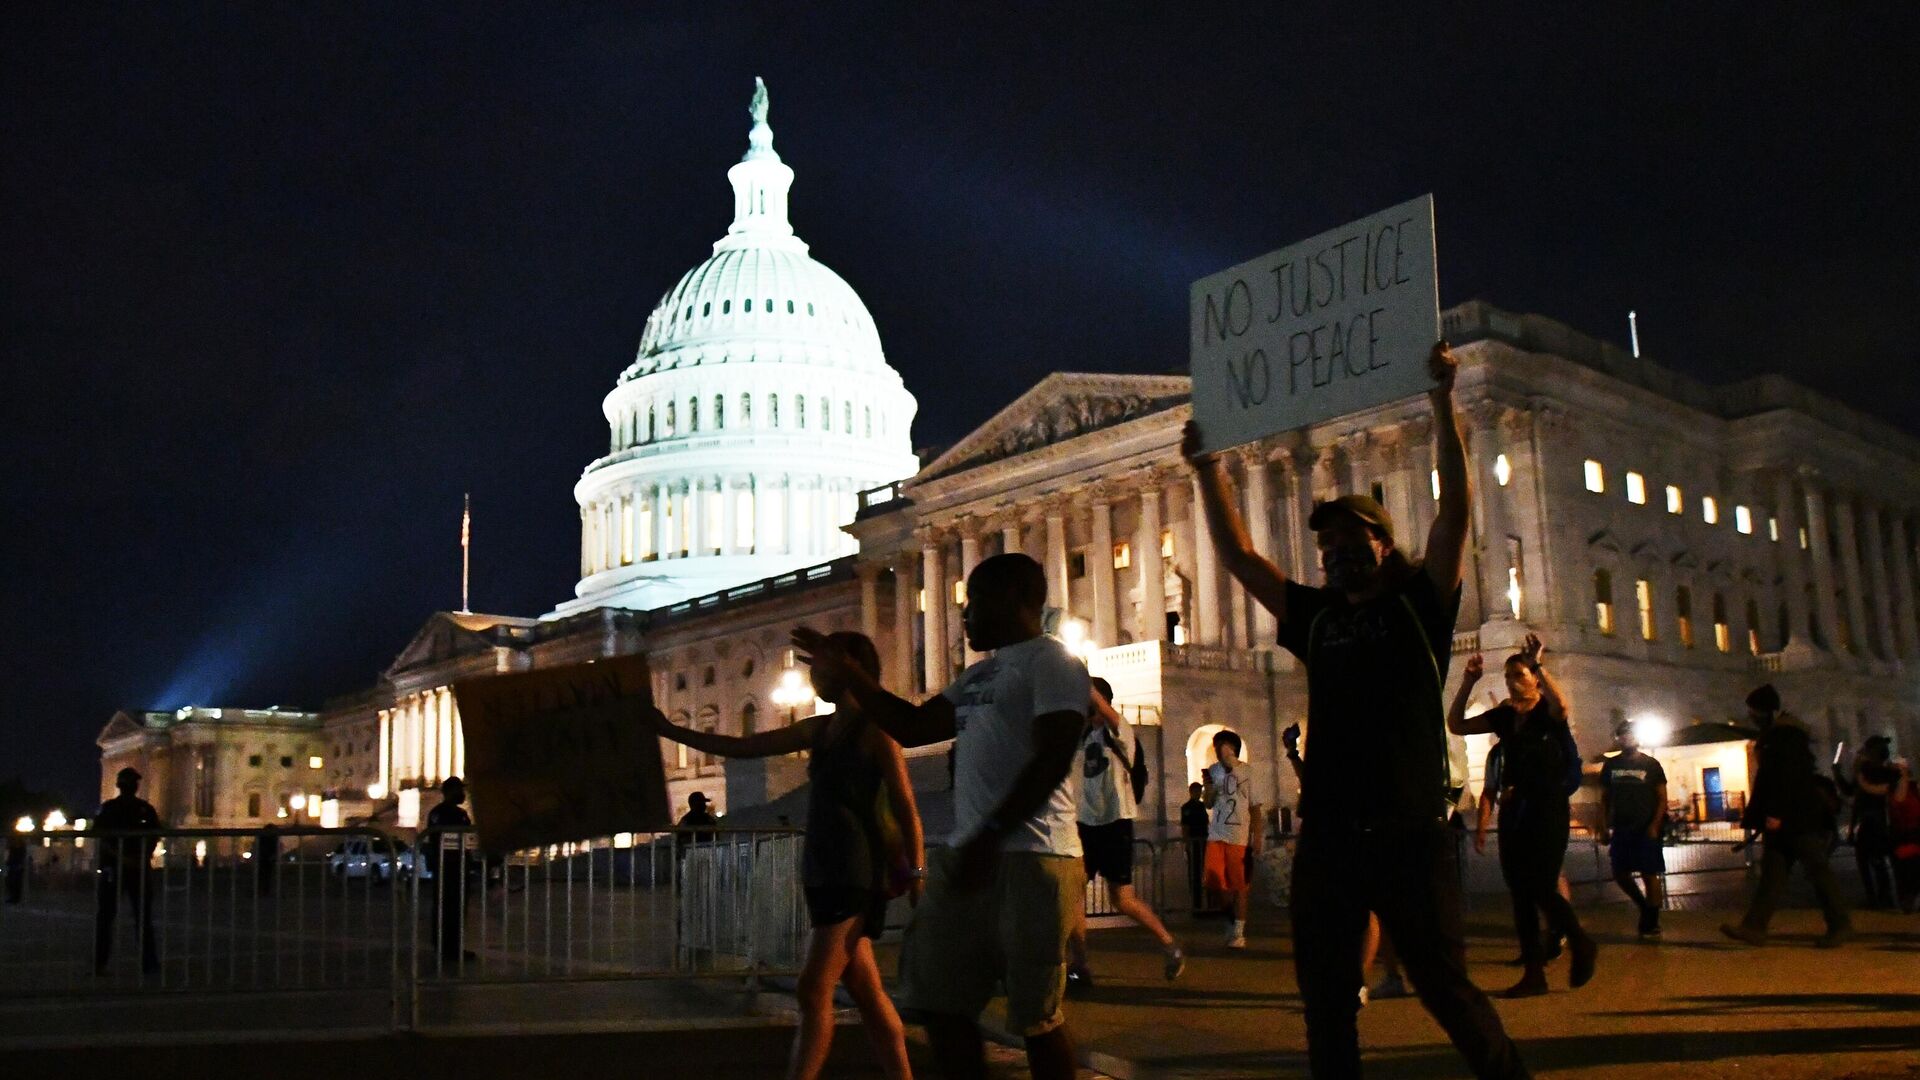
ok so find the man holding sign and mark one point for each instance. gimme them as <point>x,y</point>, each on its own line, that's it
<point>1376,641</point>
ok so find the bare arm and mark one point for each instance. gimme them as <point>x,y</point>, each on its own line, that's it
<point>900,798</point>
<point>790,739</point>
<point>908,724</point>
<point>1447,539</point>
<point>1457,719</point>
<point>1262,579</point>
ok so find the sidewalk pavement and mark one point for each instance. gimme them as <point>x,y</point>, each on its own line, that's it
<point>1694,1002</point>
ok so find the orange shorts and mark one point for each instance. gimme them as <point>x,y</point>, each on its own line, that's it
<point>1226,867</point>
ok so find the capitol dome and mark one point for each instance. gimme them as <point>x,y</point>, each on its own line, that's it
<point>757,408</point>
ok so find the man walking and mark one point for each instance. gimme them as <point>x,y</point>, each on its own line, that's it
<point>1376,642</point>
<point>1633,803</point>
<point>1003,897</point>
<point>122,866</point>
<point>1107,808</point>
<point>1789,810</point>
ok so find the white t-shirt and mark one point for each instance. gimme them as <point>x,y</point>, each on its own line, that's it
<point>995,703</point>
<point>1234,797</point>
<point>1106,791</point>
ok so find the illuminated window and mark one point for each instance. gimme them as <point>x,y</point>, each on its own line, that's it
<point>1676,503</point>
<point>1643,597</point>
<point>1433,481</point>
<point>1722,632</point>
<point>1753,626</point>
<point>1122,555</point>
<point>1513,590</point>
<point>315,762</point>
<point>1166,543</point>
<point>1603,600</point>
<point>1710,510</point>
<point>1636,489</point>
<point>1743,521</point>
<point>959,592</point>
<point>1683,614</point>
<point>1596,478</point>
<point>1773,529</point>
<point>1502,470</point>
<point>1803,538</point>
<point>920,600</point>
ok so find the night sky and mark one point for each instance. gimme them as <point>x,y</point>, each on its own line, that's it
<point>280,283</point>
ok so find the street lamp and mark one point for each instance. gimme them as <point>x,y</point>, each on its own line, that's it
<point>791,691</point>
<point>56,820</point>
<point>1073,634</point>
<point>24,825</point>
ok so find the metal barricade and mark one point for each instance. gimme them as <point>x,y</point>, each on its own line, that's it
<point>91,913</point>
<point>713,902</point>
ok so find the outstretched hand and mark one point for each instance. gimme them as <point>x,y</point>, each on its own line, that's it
<point>1190,446</point>
<point>820,652</point>
<point>1532,649</point>
<point>1442,365</point>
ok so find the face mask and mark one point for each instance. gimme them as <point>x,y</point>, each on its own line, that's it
<point>1350,568</point>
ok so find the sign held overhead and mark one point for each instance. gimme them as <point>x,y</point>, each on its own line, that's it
<point>1331,325</point>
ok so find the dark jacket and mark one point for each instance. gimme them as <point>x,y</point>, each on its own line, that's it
<point>1783,784</point>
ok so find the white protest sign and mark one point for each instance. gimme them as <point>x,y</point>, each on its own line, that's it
<point>1325,327</point>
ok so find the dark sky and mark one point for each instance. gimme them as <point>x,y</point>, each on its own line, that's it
<point>279,283</point>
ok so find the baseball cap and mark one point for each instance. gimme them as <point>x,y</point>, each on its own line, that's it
<point>1364,507</point>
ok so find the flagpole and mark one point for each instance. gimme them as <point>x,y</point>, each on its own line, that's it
<point>466,549</point>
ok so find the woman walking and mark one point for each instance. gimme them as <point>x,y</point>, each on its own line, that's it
<point>1537,760</point>
<point>847,871</point>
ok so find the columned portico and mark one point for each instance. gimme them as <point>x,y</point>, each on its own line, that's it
<point>1859,631</point>
<point>933,577</point>
<point>1151,567</point>
<point>1825,602</point>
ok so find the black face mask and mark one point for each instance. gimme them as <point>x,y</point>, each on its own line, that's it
<point>1350,568</point>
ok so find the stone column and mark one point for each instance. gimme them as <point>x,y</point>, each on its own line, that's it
<point>1010,537</point>
<point>1824,601</point>
<point>1303,557</point>
<point>1206,576</point>
<point>1100,570</point>
<point>869,574</point>
<point>933,579</point>
<point>702,525</point>
<point>1153,586</point>
<point>796,538</point>
<point>1906,638</point>
<point>1259,516</point>
<point>586,544</point>
<point>682,524</point>
<point>969,558</point>
<point>1878,580</point>
<point>1859,629</point>
<point>1793,569</point>
<point>904,586</point>
<point>1056,560</point>
<point>729,523</point>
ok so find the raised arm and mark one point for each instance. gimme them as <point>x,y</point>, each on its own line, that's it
<point>785,740</point>
<point>908,724</point>
<point>1457,719</point>
<point>1533,652</point>
<point>1262,579</point>
<point>1447,539</point>
<point>906,811</point>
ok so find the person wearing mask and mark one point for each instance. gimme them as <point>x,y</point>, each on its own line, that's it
<point>1004,895</point>
<point>847,872</point>
<point>1376,642</point>
<point>1789,810</point>
<point>1633,804</point>
<point>1535,815</point>
<point>1234,831</point>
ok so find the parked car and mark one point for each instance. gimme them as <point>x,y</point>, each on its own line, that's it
<point>358,859</point>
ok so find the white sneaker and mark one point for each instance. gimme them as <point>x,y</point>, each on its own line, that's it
<point>1363,997</point>
<point>1236,935</point>
<point>1176,962</point>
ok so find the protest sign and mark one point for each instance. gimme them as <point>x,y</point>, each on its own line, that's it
<point>561,754</point>
<point>1328,326</point>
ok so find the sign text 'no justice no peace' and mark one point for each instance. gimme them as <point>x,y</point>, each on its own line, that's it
<point>1332,325</point>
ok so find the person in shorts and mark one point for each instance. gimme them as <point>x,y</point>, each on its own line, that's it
<point>1107,810</point>
<point>1003,897</point>
<point>1233,835</point>
<point>1633,803</point>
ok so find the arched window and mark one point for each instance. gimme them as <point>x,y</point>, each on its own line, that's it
<point>726,307</point>
<point>1753,626</point>
<point>693,415</point>
<point>773,410</point>
<point>746,410</point>
<point>800,409</point>
<point>1603,600</point>
<point>719,412</point>
<point>789,307</point>
<point>670,427</point>
<point>650,423</point>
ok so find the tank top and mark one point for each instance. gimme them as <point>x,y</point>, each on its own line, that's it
<point>843,848</point>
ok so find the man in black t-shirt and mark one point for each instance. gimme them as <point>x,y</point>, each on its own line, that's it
<point>1193,830</point>
<point>122,866</point>
<point>447,847</point>
<point>1376,642</point>
<point>1633,803</point>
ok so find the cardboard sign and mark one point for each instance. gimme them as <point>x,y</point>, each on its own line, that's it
<point>560,754</point>
<point>1322,328</point>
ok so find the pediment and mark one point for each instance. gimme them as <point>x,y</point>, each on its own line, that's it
<point>1064,405</point>
<point>122,725</point>
<point>449,635</point>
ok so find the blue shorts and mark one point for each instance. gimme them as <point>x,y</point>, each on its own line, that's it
<point>1634,852</point>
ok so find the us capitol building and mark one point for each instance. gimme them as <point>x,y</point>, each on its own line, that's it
<point>1675,543</point>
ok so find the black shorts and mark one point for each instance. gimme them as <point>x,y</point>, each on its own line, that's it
<point>830,904</point>
<point>1108,851</point>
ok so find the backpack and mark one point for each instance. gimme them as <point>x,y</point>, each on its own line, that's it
<point>1136,769</point>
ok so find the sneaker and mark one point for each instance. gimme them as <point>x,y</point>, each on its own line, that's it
<point>1176,962</point>
<point>1586,953</point>
<point>1236,935</point>
<point>1079,980</point>
<point>1834,937</point>
<point>1740,933</point>
<point>1363,997</point>
<point>1393,986</point>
